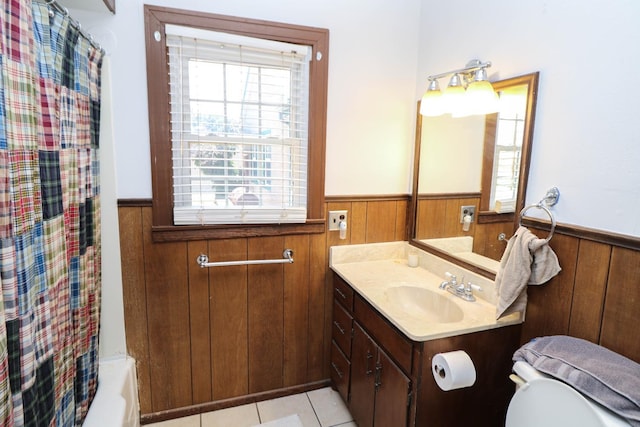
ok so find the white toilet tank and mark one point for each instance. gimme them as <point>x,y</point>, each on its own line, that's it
<point>541,401</point>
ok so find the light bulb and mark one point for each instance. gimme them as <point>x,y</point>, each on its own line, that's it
<point>481,98</point>
<point>432,104</point>
<point>453,97</point>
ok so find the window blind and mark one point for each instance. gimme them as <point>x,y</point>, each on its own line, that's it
<point>506,165</point>
<point>239,125</point>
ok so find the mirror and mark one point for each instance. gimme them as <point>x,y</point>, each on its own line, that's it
<point>473,168</point>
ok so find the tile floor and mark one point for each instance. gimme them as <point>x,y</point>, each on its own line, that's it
<point>317,408</point>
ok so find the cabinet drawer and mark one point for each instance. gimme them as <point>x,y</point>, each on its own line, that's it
<point>394,342</point>
<point>343,292</point>
<point>340,371</point>
<point>341,332</point>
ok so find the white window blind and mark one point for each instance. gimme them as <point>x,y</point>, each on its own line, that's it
<point>506,164</point>
<point>239,125</point>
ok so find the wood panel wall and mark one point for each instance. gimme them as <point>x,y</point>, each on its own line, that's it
<point>595,296</point>
<point>214,337</point>
<point>209,338</point>
<point>440,217</point>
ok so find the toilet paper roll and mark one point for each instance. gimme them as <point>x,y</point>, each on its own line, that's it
<point>453,370</point>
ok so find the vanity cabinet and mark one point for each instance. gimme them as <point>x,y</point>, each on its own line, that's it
<point>369,371</point>
<point>379,389</point>
<point>341,336</point>
<point>385,378</point>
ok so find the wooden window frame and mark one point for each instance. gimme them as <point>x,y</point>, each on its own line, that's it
<point>156,18</point>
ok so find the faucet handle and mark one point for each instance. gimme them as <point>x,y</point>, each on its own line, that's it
<point>472,287</point>
<point>452,278</point>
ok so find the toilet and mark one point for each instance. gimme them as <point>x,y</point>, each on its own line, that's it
<point>542,401</point>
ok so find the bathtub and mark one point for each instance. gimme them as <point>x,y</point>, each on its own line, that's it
<point>116,400</point>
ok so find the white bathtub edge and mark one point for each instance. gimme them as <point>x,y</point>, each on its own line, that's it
<point>116,400</point>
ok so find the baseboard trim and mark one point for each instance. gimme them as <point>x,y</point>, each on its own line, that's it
<point>228,403</point>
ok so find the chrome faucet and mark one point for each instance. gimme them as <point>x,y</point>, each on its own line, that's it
<point>461,290</point>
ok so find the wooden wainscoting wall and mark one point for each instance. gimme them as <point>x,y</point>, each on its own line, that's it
<point>439,216</point>
<point>210,338</point>
<point>595,296</point>
<point>215,337</point>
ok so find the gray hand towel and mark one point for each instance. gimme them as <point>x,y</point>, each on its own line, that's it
<point>526,260</point>
<point>605,376</point>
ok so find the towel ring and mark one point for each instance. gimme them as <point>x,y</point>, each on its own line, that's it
<point>547,210</point>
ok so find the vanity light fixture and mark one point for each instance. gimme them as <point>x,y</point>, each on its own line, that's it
<point>469,92</point>
<point>432,103</point>
<point>454,96</point>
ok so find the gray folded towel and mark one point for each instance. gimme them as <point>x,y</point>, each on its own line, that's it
<point>527,260</point>
<point>605,376</point>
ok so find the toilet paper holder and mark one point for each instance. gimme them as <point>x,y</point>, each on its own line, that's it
<point>439,370</point>
<point>453,370</point>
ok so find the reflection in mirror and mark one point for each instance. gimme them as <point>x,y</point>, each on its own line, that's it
<point>504,139</point>
<point>470,177</point>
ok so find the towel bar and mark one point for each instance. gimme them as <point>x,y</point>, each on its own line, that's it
<point>287,258</point>
<point>550,199</point>
<point>547,210</point>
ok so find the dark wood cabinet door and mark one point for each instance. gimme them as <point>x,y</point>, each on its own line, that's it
<point>392,394</point>
<point>341,332</point>
<point>340,372</point>
<point>363,365</point>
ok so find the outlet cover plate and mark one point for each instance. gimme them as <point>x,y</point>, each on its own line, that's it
<point>334,219</point>
<point>467,210</point>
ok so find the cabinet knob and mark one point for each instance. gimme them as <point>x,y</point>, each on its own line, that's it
<point>335,368</point>
<point>369,371</point>
<point>378,379</point>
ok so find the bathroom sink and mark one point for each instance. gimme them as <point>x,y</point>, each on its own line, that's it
<point>425,304</point>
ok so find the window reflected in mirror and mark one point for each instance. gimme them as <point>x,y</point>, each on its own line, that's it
<point>507,148</point>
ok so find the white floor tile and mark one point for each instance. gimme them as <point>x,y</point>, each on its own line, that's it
<point>238,416</point>
<point>297,404</point>
<point>191,421</point>
<point>317,408</point>
<point>329,407</point>
<point>288,421</point>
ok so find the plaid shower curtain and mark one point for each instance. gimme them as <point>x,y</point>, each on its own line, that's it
<point>49,217</point>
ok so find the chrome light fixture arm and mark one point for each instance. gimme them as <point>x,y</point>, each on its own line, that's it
<point>473,65</point>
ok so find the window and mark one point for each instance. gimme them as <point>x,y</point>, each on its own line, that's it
<point>237,113</point>
<point>508,151</point>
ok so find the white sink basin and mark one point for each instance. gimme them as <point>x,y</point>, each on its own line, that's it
<point>425,304</point>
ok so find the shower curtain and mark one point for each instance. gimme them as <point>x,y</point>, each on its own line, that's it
<point>49,216</point>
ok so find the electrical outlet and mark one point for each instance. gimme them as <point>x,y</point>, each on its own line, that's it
<point>334,219</point>
<point>467,210</point>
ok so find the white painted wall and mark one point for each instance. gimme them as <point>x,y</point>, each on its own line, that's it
<point>372,63</point>
<point>112,338</point>
<point>586,137</point>
<point>451,154</point>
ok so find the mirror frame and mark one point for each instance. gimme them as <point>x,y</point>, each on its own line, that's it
<point>484,216</point>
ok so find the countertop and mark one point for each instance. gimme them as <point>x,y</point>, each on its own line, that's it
<point>373,269</point>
